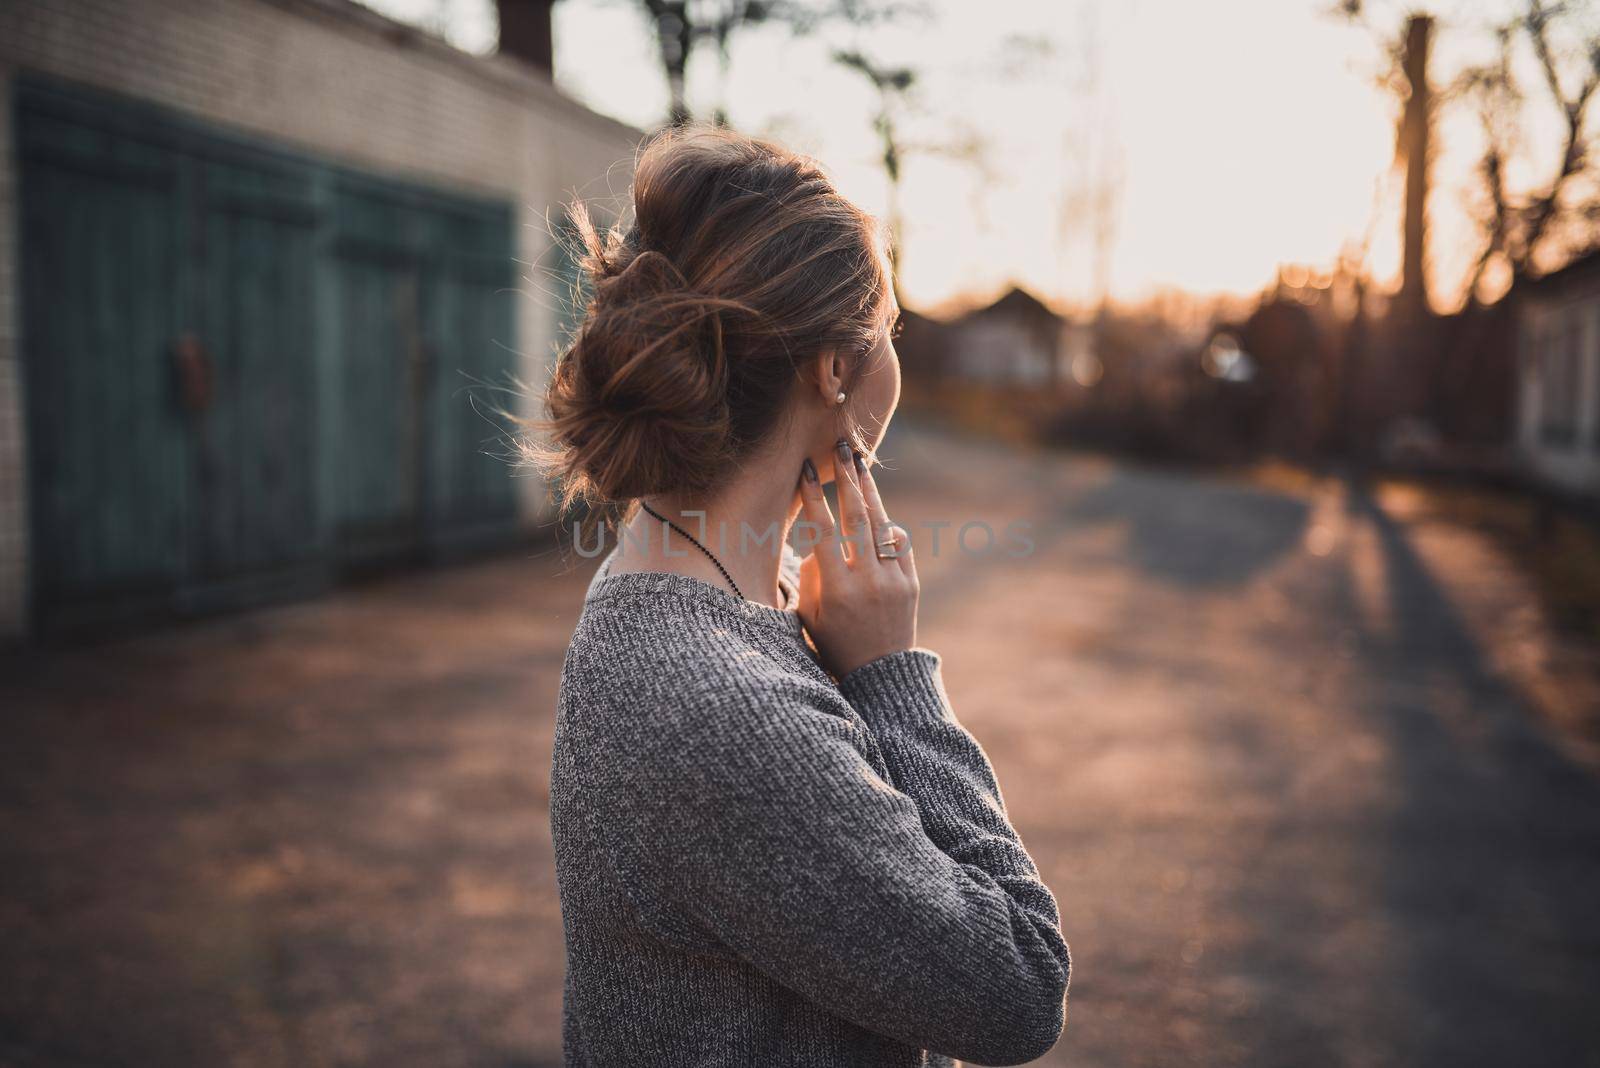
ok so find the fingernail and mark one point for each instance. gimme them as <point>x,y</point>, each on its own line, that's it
<point>808,470</point>
<point>842,446</point>
<point>861,463</point>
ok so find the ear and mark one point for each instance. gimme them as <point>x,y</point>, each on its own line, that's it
<point>830,367</point>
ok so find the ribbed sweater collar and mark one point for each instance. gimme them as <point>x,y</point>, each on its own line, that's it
<point>665,584</point>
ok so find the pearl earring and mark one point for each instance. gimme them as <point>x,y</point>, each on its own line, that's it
<point>840,398</point>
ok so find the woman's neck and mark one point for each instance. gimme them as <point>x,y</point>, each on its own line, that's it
<point>744,525</point>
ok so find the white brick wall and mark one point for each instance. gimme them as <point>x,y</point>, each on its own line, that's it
<point>327,77</point>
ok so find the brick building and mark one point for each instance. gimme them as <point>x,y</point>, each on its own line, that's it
<point>250,253</point>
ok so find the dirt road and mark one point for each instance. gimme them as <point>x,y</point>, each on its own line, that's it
<point>1294,761</point>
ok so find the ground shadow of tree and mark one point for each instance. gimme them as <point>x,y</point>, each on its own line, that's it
<point>1492,865</point>
<point>1194,533</point>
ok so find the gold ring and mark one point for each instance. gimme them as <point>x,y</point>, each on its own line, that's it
<point>891,543</point>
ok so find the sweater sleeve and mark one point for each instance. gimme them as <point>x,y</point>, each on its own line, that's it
<point>935,760</point>
<point>913,912</point>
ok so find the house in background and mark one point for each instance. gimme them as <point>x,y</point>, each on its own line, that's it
<point>1016,341</point>
<point>255,257</point>
<point>1558,403</point>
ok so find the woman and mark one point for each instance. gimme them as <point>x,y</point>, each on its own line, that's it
<point>770,851</point>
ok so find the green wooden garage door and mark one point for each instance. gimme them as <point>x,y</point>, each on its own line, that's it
<point>245,370</point>
<point>424,319</point>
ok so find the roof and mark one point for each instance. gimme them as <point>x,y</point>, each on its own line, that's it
<point>508,73</point>
<point>1017,302</point>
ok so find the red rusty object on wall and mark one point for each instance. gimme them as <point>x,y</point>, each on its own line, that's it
<point>194,372</point>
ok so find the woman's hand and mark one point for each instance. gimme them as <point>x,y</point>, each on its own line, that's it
<point>856,605</point>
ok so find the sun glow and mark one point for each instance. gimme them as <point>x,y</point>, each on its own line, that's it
<point>1235,138</point>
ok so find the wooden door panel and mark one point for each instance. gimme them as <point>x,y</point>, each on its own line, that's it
<point>379,428</point>
<point>255,488</point>
<point>472,478</point>
<point>470,325</point>
<point>107,448</point>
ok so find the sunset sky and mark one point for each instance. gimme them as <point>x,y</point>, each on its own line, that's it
<point>1238,135</point>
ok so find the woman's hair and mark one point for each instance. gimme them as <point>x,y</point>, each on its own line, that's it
<point>740,264</point>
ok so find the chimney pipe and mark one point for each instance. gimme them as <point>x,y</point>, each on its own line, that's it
<point>525,32</point>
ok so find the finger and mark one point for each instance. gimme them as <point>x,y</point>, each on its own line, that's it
<point>810,589</point>
<point>877,515</point>
<point>853,522</point>
<point>902,550</point>
<point>821,530</point>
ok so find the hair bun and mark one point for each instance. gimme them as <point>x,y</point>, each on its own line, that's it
<point>650,272</point>
<point>640,401</point>
<point>708,310</point>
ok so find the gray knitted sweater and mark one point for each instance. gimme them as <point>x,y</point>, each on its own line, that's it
<point>761,866</point>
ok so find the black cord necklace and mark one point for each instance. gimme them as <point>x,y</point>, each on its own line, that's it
<point>696,543</point>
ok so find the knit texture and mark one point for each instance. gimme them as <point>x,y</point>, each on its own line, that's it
<point>759,865</point>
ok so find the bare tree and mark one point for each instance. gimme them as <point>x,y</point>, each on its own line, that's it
<point>1519,223</point>
<point>891,84</point>
<point>682,26</point>
<point>1090,198</point>
<point>675,39</point>
<point>958,140</point>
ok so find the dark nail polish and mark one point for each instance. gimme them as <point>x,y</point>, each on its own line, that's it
<point>808,470</point>
<point>861,463</point>
<point>842,447</point>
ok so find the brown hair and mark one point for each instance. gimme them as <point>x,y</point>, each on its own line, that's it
<point>741,261</point>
